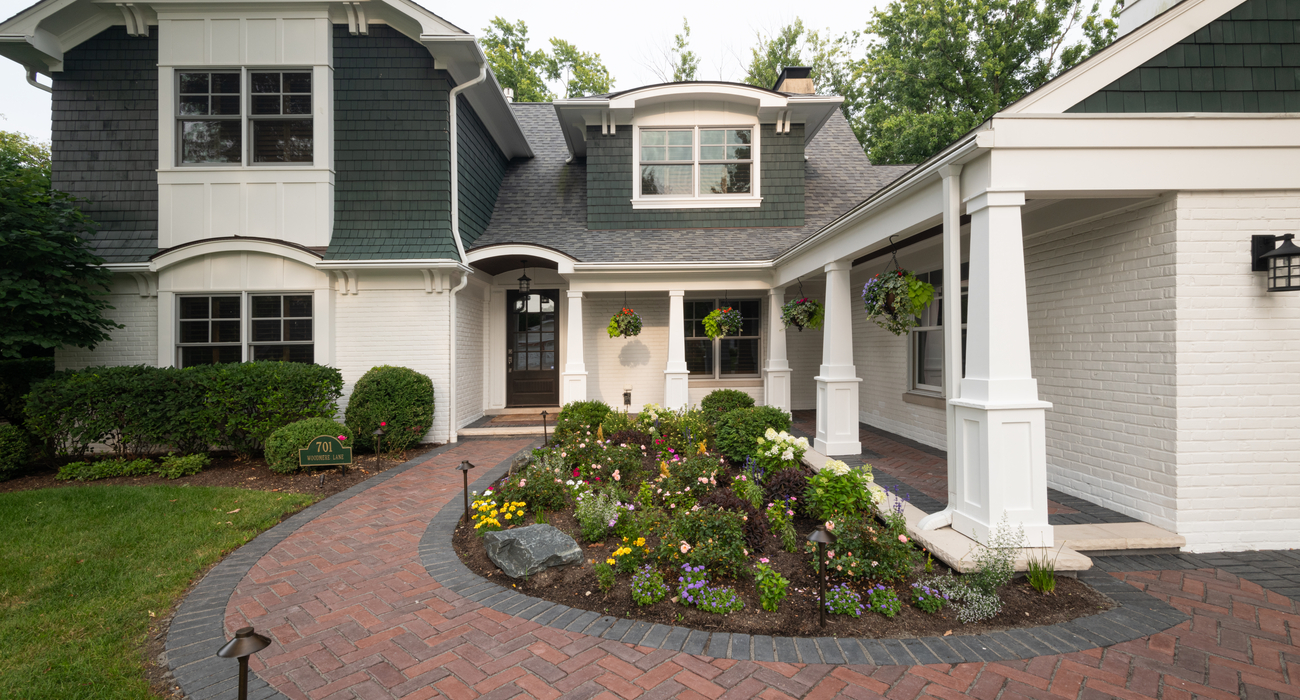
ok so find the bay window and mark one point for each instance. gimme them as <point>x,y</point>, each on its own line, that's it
<point>225,328</point>
<point>235,117</point>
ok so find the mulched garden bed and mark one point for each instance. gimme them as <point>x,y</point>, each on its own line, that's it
<point>576,587</point>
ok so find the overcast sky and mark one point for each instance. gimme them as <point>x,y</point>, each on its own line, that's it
<point>627,37</point>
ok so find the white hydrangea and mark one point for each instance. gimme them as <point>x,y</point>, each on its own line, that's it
<point>771,434</point>
<point>836,467</point>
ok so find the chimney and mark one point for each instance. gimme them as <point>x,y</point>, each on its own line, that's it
<point>796,80</point>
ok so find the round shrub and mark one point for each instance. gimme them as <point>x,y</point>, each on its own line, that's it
<point>14,448</point>
<point>283,445</point>
<point>579,417</point>
<point>739,430</point>
<point>723,401</point>
<point>398,396</point>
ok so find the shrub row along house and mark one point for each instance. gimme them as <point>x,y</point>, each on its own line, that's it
<point>345,183</point>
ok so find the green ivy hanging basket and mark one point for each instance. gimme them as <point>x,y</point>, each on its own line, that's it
<point>803,313</point>
<point>895,299</point>
<point>626,323</point>
<point>723,322</point>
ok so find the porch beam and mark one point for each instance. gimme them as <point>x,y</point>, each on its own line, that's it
<point>776,372</point>
<point>837,381</point>
<point>574,380</point>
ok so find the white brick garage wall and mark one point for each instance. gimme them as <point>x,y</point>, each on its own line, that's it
<point>1238,377</point>
<point>1101,325</point>
<point>136,344</point>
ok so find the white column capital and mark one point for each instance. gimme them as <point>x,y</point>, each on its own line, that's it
<point>574,294</point>
<point>985,200</point>
<point>838,266</point>
<point>950,170</point>
<point>676,293</point>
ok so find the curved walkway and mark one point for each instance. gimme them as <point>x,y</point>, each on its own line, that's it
<point>344,591</point>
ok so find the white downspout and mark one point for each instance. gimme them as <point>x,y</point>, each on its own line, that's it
<point>451,345</point>
<point>31,79</point>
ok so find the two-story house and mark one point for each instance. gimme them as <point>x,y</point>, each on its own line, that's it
<point>345,183</point>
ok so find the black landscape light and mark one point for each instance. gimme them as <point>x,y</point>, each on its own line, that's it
<point>1281,262</point>
<point>525,284</point>
<point>464,468</point>
<point>822,538</point>
<point>379,444</point>
<point>545,440</point>
<point>245,644</point>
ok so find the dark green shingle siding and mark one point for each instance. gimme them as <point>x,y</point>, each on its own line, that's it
<point>391,155</point>
<point>609,187</point>
<point>482,166</point>
<point>1248,60</point>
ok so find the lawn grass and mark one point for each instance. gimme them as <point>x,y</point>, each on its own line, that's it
<point>83,569</point>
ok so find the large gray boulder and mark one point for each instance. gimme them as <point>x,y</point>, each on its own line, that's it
<point>525,551</point>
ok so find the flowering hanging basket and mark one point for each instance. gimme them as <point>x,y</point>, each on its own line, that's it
<point>723,322</point>
<point>803,313</point>
<point>895,299</point>
<point>626,323</point>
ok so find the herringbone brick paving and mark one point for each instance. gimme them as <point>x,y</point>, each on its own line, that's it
<point>353,614</point>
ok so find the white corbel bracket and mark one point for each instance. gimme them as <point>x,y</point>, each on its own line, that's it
<point>146,283</point>
<point>347,281</point>
<point>356,18</point>
<point>436,281</point>
<point>134,19</point>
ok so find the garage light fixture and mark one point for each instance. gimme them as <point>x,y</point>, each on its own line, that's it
<point>1281,262</point>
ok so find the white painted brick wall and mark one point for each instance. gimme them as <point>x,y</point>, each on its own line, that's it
<point>137,344</point>
<point>1238,377</point>
<point>803,350</point>
<point>1101,323</point>
<point>613,363</point>
<point>471,315</point>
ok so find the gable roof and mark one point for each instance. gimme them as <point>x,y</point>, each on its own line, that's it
<point>543,201</point>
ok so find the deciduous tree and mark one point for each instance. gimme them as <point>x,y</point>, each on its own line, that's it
<point>527,72</point>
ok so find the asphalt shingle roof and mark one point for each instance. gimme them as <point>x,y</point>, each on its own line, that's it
<point>543,201</point>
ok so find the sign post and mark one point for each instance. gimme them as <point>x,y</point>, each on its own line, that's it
<point>325,451</point>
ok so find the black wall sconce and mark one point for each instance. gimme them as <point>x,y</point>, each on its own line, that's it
<point>525,282</point>
<point>1281,262</point>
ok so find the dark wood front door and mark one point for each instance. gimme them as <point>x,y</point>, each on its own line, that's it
<point>532,350</point>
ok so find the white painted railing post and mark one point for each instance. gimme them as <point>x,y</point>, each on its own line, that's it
<point>676,377</point>
<point>837,381</point>
<point>574,380</point>
<point>776,374</point>
<point>998,448</point>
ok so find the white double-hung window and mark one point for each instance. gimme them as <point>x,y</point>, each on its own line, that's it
<point>234,117</point>
<point>696,167</point>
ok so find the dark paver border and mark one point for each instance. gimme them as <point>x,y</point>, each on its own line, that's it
<point>198,629</point>
<point>1136,615</point>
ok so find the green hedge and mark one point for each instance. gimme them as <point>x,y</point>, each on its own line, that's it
<point>141,409</point>
<point>16,379</point>
<point>739,430</point>
<point>14,448</point>
<point>283,445</point>
<point>579,417</point>
<point>722,401</point>
<point>398,396</point>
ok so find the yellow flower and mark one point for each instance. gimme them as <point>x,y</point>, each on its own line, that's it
<point>703,446</point>
<point>507,516</point>
<point>609,561</point>
<point>494,513</point>
<point>640,541</point>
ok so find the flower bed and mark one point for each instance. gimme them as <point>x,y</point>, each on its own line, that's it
<point>675,533</point>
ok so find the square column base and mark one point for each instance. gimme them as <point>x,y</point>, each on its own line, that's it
<point>776,388</point>
<point>677,394</point>
<point>837,416</point>
<point>573,387</point>
<point>1000,460</point>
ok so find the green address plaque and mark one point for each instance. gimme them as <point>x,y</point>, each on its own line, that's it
<point>325,451</point>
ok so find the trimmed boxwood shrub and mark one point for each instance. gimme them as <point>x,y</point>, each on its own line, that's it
<point>246,403</point>
<point>722,401</point>
<point>579,417</point>
<point>283,445</point>
<point>14,448</point>
<point>16,379</point>
<point>398,396</point>
<point>738,430</point>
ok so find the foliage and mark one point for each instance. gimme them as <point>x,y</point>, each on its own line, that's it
<point>597,512</point>
<point>283,445</point>
<point>582,73</point>
<point>626,323</point>
<point>787,487</point>
<point>682,431</point>
<point>738,431</point>
<point>16,380</point>
<point>648,586</point>
<point>722,322</point>
<point>174,466</point>
<point>928,599</point>
<point>679,63</point>
<point>618,423</point>
<point>711,537</point>
<point>755,522</point>
<point>604,575</point>
<point>895,299</point>
<point>720,600</point>
<point>15,446</point>
<point>541,483</point>
<point>487,515</point>
<point>883,600</point>
<point>778,451</point>
<point>970,602</point>
<point>995,563</point>
<point>772,52</point>
<point>748,490</point>
<point>691,584</point>
<point>1041,573</point>
<point>243,404</point>
<point>631,554</point>
<point>842,600</point>
<point>803,313</point>
<point>840,489</point>
<point>578,417</point>
<point>400,397</point>
<point>780,518</point>
<point>93,568</point>
<point>771,586</point>
<point>52,284</point>
<point>722,401</point>
<point>526,72</point>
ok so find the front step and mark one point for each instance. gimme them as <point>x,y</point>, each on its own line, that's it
<point>502,431</point>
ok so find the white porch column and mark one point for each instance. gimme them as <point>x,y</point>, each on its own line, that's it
<point>837,381</point>
<point>776,374</point>
<point>677,393</point>
<point>998,449</point>
<point>573,382</point>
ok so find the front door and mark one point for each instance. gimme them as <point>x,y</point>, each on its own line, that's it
<point>532,352</point>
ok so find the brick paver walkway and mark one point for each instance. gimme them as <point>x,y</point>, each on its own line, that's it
<point>354,614</point>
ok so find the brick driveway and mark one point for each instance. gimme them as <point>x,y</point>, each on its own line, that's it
<point>354,614</point>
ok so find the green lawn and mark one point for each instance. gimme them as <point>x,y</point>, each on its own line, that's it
<point>82,570</point>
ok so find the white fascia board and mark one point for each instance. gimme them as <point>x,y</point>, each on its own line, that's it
<point>742,94</point>
<point>232,245</point>
<point>460,55</point>
<point>412,264</point>
<point>127,267</point>
<point>1199,130</point>
<point>574,116</point>
<point>728,276</point>
<point>1128,52</point>
<point>26,52</point>
<point>517,250</point>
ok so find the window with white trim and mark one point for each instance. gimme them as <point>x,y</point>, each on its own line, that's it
<point>926,342</point>
<point>697,163</point>
<point>216,330</point>
<point>234,117</point>
<point>732,356</point>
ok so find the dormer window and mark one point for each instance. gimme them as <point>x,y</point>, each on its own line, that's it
<point>696,167</point>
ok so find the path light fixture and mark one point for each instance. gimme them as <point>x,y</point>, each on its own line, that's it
<point>245,644</point>
<point>821,538</point>
<point>545,440</point>
<point>1282,262</point>
<point>525,284</point>
<point>464,468</point>
<point>379,444</point>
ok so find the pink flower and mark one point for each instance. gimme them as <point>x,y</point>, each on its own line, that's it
<point>383,424</point>
<point>685,548</point>
<point>902,538</point>
<point>523,483</point>
<point>616,476</point>
<point>342,438</point>
<point>830,525</point>
<point>763,559</point>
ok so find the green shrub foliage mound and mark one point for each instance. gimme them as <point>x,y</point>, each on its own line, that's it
<point>723,401</point>
<point>398,396</point>
<point>739,430</point>
<point>283,445</point>
<point>578,417</point>
<point>14,448</point>
<point>16,379</point>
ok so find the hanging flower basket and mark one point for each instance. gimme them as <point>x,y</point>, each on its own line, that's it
<point>803,313</point>
<point>626,323</point>
<point>895,299</point>
<point>723,322</point>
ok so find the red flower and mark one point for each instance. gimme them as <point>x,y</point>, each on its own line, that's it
<point>383,424</point>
